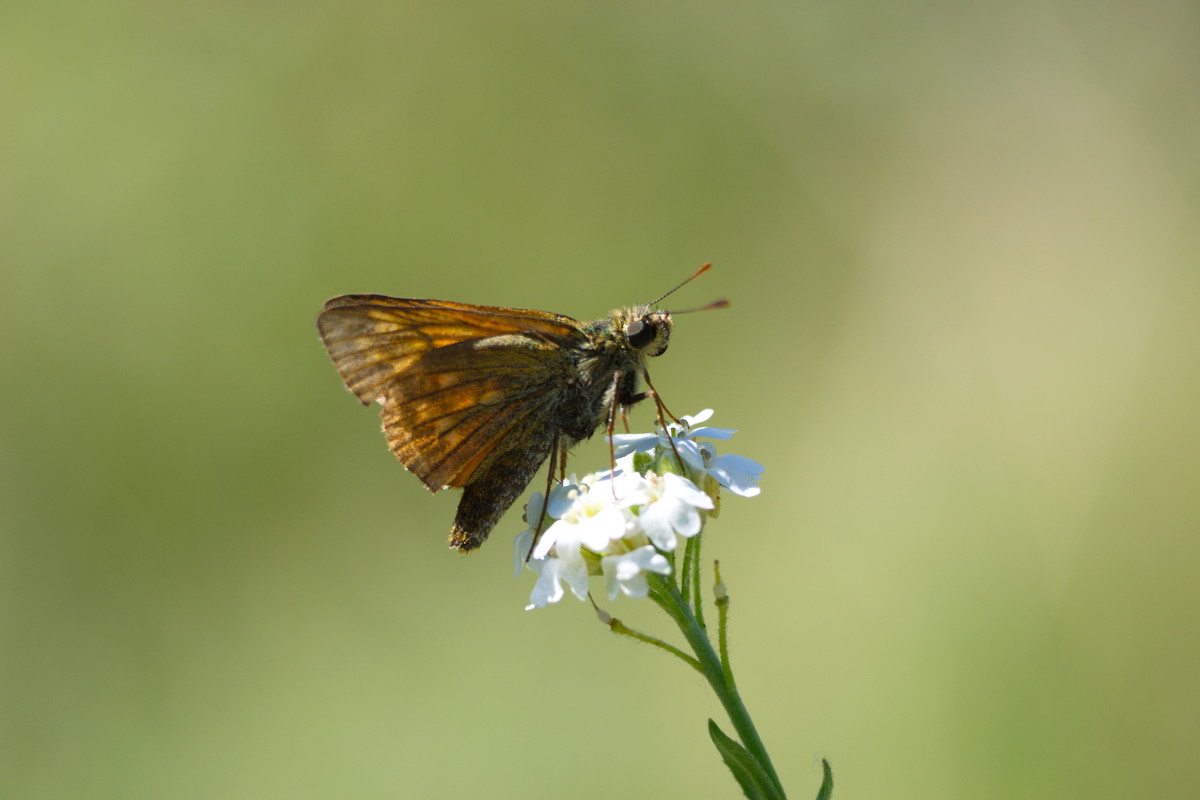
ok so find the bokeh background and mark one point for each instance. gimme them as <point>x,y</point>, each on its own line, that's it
<point>961,246</point>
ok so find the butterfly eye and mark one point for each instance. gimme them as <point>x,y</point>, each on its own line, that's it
<point>639,333</point>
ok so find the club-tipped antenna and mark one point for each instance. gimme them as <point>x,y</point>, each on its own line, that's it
<point>722,303</point>
<point>705,267</point>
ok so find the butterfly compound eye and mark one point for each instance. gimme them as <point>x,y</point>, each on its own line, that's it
<point>639,333</point>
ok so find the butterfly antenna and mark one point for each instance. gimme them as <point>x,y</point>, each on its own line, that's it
<point>703,269</point>
<point>722,303</point>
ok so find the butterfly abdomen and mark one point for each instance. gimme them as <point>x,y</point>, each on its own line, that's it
<point>493,490</point>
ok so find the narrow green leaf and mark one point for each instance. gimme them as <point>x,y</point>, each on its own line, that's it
<point>749,774</point>
<point>826,782</point>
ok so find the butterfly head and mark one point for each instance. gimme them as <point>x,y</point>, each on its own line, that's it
<point>646,331</point>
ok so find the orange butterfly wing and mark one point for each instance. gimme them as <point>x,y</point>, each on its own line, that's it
<point>459,383</point>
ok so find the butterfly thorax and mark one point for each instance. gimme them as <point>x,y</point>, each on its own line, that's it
<point>611,360</point>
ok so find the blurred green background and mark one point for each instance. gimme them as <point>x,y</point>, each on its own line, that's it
<point>961,246</point>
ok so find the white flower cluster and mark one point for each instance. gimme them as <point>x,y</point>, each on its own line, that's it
<point>619,523</point>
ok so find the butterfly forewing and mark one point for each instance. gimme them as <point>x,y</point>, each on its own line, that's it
<point>372,338</point>
<point>459,383</point>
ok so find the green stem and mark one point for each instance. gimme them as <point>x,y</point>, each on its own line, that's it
<point>697,585</point>
<point>670,600</point>
<point>722,622</point>
<point>618,627</point>
<point>685,573</point>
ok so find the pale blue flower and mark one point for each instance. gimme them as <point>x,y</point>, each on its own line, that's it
<point>738,474</point>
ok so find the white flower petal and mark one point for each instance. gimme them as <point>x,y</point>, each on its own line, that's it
<point>569,566</point>
<point>737,463</point>
<point>656,524</point>
<point>521,547</point>
<point>561,500</point>
<point>546,589</point>
<point>627,572</point>
<point>559,530</point>
<point>737,482</point>
<point>682,488</point>
<point>534,508</point>
<point>713,433</point>
<point>684,519</point>
<point>689,451</point>
<point>596,531</point>
<point>626,443</point>
<point>574,572</point>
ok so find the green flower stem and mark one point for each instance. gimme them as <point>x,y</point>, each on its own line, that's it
<point>697,586</point>
<point>616,626</point>
<point>690,576</point>
<point>667,595</point>
<point>722,603</point>
<point>685,572</point>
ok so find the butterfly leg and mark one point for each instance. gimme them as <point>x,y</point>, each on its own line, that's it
<point>629,398</point>
<point>612,424</point>
<point>562,465</point>
<point>661,409</point>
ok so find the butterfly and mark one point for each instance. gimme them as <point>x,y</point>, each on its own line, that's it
<point>478,397</point>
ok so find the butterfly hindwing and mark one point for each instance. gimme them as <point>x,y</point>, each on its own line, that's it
<point>464,405</point>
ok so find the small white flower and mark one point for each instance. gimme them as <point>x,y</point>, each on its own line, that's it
<point>561,498</point>
<point>621,522</point>
<point>626,572</point>
<point>567,565</point>
<point>591,520</point>
<point>670,509</point>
